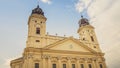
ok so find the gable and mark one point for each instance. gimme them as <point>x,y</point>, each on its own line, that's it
<point>69,45</point>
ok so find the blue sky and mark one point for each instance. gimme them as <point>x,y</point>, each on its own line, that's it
<point>62,18</point>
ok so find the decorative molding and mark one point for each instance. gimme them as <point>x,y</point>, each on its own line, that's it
<point>69,58</point>
<point>59,57</point>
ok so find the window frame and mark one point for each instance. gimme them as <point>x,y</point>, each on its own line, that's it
<point>101,66</point>
<point>37,65</point>
<point>54,65</point>
<point>64,66</point>
<point>37,30</point>
<point>90,65</point>
<point>73,65</point>
<point>82,65</point>
<point>92,39</point>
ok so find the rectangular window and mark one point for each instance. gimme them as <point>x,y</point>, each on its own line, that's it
<point>54,65</point>
<point>36,65</point>
<point>82,66</point>
<point>64,65</point>
<point>101,66</point>
<point>92,38</point>
<point>37,40</point>
<point>90,66</point>
<point>73,65</point>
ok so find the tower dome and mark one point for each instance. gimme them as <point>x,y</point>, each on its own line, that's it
<point>83,22</point>
<point>38,10</point>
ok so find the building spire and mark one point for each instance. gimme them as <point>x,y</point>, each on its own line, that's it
<point>38,2</point>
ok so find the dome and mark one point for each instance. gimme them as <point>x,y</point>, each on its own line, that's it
<point>38,10</point>
<point>83,21</point>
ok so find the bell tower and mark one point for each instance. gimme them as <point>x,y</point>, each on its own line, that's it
<point>36,28</point>
<point>87,34</point>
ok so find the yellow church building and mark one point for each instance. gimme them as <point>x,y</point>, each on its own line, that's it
<point>49,51</point>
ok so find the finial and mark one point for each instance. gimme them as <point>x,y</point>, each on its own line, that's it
<point>38,3</point>
<point>81,16</point>
<point>37,6</point>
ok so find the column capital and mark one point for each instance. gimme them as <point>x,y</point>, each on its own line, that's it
<point>94,58</point>
<point>69,58</point>
<point>78,58</point>
<point>43,56</point>
<point>46,56</point>
<point>103,59</point>
<point>59,57</point>
<point>86,58</point>
<point>30,56</point>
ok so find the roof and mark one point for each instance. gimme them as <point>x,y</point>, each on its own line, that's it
<point>38,10</point>
<point>83,21</point>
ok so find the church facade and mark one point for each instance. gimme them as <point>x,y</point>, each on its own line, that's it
<point>49,51</point>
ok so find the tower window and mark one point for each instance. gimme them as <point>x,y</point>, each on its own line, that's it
<point>83,38</point>
<point>90,66</point>
<point>101,66</point>
<point>37,40</point>
<point>92,38</point>
<point>37,30</point>
<point>94,46</point>
<point>82,66</point>
<point>35,21</point>
<point>73,65</point>
<point>36,65</point>
<point>54,65</point>
<point>64,65</point>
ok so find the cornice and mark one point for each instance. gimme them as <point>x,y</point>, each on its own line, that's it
<point>41,50</point>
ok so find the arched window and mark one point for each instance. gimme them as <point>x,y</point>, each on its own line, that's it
<point>37,30</point>
<point>36,65</point>
<point>83,38</point>
<point>73,65</point>
<point>101,66</point>
<point>64,65</point>
<point>90,66</point>
<point>54,66</point>
<point>81,65</point>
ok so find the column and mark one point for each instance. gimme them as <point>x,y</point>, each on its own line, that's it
<point>86,64</point>
<point>59,62</point>
<point>97,64</point>
<point>69,62</point>
<point>29,62</point>
<point>93,64</point>
<point>25,64</point>
<point>44,63</point>
<point>49,63</point>
<point>78,64</point>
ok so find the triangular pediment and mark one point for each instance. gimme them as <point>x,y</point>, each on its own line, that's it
<point>69,44</point>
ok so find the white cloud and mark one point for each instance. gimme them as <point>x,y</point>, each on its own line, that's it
<point>46,1</point>
<point>82,5</point>
<point>105,17</point>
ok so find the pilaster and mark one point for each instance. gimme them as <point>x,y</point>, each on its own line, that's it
<point>86,64</point>
<point>49,62</point>
<point>69,62</point>
<point>59,62</point>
